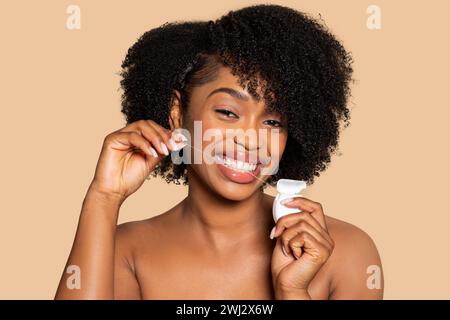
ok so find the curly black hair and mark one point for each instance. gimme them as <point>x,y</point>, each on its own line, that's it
<point>303,70</point>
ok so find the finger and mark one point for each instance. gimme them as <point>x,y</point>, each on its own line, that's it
<point>143,128</point>
<point>165,134</point>
<point>304,242</point>
<point>290,219</point>
<point>315,208</point>
<point>299,227</point>
<point>293,218</point>
<point>134,140</point>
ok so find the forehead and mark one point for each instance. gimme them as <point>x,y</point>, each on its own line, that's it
<point>225,79</point>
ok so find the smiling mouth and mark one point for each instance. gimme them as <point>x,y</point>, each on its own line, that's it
<point>237,165</point>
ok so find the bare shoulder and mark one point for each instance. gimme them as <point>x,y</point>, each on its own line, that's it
<point>355,262</point>
<point>143,230</point>
<point>347,234</point>
<point>137,240</point>
<point>131,239</point>
<point>351,241</point>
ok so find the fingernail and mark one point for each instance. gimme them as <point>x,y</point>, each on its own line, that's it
<point>284,251</point>
<point>165,150</point>
<point>153,152</point>
<point>286,200</point>
<point>272,233</point>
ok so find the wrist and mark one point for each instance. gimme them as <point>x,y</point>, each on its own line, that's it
<point>101,207</point>
<point>292,294</point>
<point>104,197</point>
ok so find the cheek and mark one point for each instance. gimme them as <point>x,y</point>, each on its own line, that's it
<point>213,139</point>
<point>204,134</point>
<point>277,143</point>
<point>198,117</point>
<point>282,142</point>
<point>211,131</point>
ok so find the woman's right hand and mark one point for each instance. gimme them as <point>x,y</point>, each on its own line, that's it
<point>130,154</point>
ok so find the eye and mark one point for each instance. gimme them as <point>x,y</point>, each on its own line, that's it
<point>273,123</point>
<point>227,113</point>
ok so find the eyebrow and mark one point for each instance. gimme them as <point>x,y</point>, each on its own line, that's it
<point>234,93</point>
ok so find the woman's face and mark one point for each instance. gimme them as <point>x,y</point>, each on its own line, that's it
<point>234,127</point>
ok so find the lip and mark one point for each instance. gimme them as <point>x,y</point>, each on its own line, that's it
<point>236,176</point>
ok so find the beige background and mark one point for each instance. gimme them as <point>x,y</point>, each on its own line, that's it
<point>59,98</point>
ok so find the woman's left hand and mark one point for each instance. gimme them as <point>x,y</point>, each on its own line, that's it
<point>303,246</point>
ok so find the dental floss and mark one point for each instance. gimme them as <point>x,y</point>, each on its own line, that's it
<point>286,189</point>
<point>180,136</point>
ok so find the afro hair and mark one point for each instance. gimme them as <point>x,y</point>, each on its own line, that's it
<point>302,67</point>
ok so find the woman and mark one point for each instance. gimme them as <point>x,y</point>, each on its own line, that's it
<point>264,67</point>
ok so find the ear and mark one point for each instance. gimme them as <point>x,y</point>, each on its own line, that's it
<point>176,111</point>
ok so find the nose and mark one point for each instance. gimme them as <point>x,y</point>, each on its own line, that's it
<point>248,142</point>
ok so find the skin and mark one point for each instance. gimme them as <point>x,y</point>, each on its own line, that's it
<point>215,243</point>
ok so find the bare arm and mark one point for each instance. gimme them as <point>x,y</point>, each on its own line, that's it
<point>128,156</point>
<point>93,249</point>
<point>126,285</point>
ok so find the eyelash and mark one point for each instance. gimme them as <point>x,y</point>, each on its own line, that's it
<point>227,112</point>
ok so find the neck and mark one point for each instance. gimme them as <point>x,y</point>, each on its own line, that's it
<point>220,219</point>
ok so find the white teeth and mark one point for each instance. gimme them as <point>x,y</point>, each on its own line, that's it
<point>249,167</point>
<point>239,165</point>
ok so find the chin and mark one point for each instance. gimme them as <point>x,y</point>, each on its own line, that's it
<point>236,192</point>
